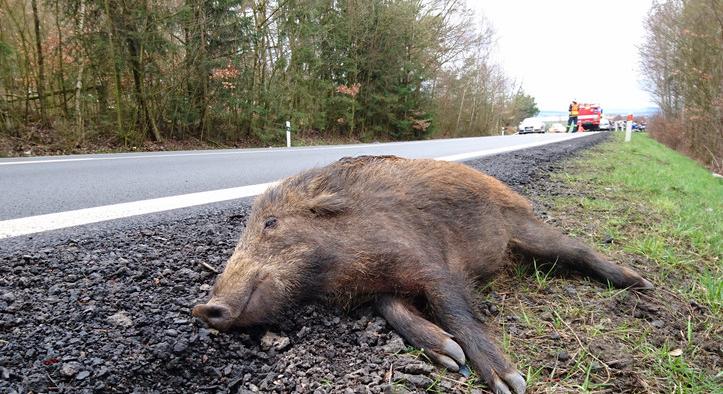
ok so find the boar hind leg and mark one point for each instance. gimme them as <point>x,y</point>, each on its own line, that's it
<point>421,333</point>
<point>450,304</point>
<point>535,239</point>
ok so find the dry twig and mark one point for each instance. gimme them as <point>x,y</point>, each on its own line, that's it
<point>209,267</point>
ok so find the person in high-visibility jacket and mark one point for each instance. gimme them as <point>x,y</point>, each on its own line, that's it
<point>574,110</point>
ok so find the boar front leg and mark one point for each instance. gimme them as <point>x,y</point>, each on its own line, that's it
<point>420,332</point>
<point>451,305</point>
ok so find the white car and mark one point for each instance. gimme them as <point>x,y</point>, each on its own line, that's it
<point>604,124</point>
<point>557,128</point>
<point>531,125</point>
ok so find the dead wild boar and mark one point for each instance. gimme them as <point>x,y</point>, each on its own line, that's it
<point>410,235</point>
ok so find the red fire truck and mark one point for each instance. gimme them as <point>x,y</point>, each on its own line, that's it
<point>589,116</point>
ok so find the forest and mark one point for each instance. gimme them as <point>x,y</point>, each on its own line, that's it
<point>78,74</point>
<point>682,60</point>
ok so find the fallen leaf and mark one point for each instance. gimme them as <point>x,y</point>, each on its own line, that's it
<point>676,352</point>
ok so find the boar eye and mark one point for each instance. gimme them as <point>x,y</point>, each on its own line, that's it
<point>270,223</point>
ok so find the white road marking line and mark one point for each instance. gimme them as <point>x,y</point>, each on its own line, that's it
<point>153,156</point>
<point>216,153</point>
<point>495,151</point>
<point>55,221</point>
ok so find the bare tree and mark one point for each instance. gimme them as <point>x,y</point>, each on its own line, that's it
<point>40,85</point>
<point>682,59</point>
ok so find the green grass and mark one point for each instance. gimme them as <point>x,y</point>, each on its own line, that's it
<point>684,203</point>
<point>710,288</point>
<point>542,277</point>
<point>682,377</point>
<point>663,207</point>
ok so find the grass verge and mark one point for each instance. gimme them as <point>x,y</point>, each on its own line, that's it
<point>647,207</point>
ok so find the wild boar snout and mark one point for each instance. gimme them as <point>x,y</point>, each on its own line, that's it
<point>239,300</point>
<point>216,315</point>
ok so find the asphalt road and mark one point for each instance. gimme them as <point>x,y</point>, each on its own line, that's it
<point>58,184</point>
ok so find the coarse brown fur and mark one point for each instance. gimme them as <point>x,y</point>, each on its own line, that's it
<point>396,231</point>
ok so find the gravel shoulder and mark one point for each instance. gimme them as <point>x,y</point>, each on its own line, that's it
<point>111,313</point>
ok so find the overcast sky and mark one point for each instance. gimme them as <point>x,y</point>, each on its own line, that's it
<point>561,50</point>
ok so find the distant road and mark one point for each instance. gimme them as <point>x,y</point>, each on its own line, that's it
<point>45,193</point>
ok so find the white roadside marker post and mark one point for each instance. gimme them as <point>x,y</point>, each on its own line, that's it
<point>288,134</point>
<point>628,129</point>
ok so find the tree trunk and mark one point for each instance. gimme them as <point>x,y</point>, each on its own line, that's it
<point>116,71</point>
<point>135,50</point>
<point>79,80</point>
<point>196,63</point>
<point>204,70</point>
<point>459,114</point>
<point>61,70</point>
<point>41,68</point>
<point>22,57</point>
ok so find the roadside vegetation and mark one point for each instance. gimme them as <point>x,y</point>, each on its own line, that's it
<point>658,211</point>
<point>644,206</point>
<point>81,75</point>
<point>682,60</point>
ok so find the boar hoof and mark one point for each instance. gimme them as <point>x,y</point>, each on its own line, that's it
<point>444,361</point>
<point>451,356</point>
<point>645,285</point>
<point>516,381</point>
<point>513,383</point>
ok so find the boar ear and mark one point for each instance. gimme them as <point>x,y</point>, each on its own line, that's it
<point>327,204</point>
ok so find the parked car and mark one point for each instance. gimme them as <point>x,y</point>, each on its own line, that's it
<point>531,125</point>
<point>557,128</point>
<point>604,124</point>
<point>638,126</point>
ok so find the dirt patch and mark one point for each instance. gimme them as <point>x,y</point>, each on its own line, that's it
<point>112,314</point>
